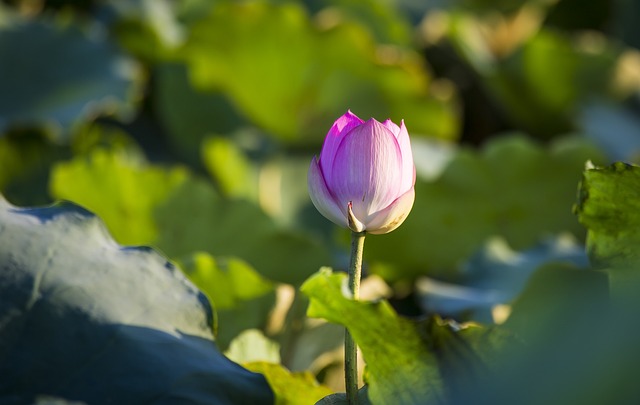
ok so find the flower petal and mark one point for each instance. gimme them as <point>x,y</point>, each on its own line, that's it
<point>391,126</point>
<point>321,196</point>
<point>340,128</point>
<point>367,169</point>
<point>393,216</point>
<point>408,167</point>
<point>354,224</point>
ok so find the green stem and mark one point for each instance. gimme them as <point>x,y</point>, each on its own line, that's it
<point>350,347</point>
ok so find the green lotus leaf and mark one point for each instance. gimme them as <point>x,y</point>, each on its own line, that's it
<point>85,319</point>
<point>57,75</point>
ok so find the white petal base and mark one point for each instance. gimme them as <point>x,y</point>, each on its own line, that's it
<point>393,216</point>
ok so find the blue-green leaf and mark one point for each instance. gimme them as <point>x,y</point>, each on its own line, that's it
<point>56,75</point>
<point>85,319</point>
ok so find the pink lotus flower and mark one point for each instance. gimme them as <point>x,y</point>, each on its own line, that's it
<point>365,175</point>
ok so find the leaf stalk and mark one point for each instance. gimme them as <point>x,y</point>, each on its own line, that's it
<point>350,347</point>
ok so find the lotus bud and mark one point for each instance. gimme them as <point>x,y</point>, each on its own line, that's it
<point>364,178</point>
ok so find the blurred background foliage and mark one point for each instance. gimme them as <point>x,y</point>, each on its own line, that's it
<point>189,125</point>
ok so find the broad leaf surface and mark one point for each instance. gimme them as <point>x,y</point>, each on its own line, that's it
<point>169,208</point>
<point>241,297</point>
<point>230,168</point>
<point>386,22</point>
<point>253,346</point>
<point>428,362</point>
<point>315,78</point>
<point>614,128</point>
<point>195,218</point>
<point>572,347</point>
<point>609,206</point>
<point>188,115</point>
<point>466,353</point>
<point>513,188</point>
<point>122,189</point>
<point>25,161</point>
<point>548,77</point>
<point>579,325</point>
<point>57,75</point>
<point>549,74</point>
<point>86,319</point>
<point>495,275</point>
<point>401,370</point>
<point>300,388</point>
<point>555,294</point>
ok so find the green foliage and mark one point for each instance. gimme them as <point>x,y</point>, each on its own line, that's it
<point>400,368</point>
<point>195,218</point>
<point>430,362</point>
<point>25,160</point>
<point>297,90</point>
<point>229,280</point>
<point>579,320</point>
<point>341,398</point>
<point>56,75</point>
<point>550,76</point>
<point>290,388</point>
<point>230,169</point>
<point>608,207</point>
<point>121,188</point>
<point>85,318</point>
<point>147,204</point>
<point>513,188</point>
<point>188,114</point>
<point>253,346</point>
<point>495,275</point>
<point>209,164</point>
<point>241,297</point>
<point>554,294</point>
<point>383,20</point>
<point>148,29</point>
